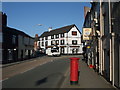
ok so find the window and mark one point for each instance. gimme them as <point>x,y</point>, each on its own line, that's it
<point>62,35</point>
<point>46,43</point>
<point>39,43</point>
<point>52,43</point>
<point>62,42</point>
<point>74,33</point>
<point>52,37</point>
<point>22,39</point>
<point>55,49</point>
<point>14,39</point>
<point>74,42</point>
<point>46,38</point>
<point>10,54</point>
<point>57,42</point>
<point>57,36</point>
<point>42,38</point>
<point>42,43</point>
<point>62,50</point>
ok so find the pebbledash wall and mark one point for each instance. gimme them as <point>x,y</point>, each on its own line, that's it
<point>68,38</point>
<point>16,45</point>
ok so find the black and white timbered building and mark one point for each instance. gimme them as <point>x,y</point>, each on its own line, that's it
<point>67,38</point>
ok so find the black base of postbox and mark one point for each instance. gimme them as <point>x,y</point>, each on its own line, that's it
<point>73,82</point>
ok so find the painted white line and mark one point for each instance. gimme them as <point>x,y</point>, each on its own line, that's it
<point>4,79</point>
<point>35,67</point>
<point>51,60</point>
<point>26,70</point>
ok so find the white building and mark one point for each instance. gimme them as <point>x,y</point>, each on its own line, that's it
<point>68,38</point>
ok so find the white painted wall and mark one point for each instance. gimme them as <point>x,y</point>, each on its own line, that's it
<point>68,37</point>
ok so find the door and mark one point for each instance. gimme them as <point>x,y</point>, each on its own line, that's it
<point>62,50</point>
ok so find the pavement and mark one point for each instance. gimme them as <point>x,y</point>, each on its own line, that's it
<point>88,78</point>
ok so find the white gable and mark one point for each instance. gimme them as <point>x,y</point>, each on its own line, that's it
<point>74,29</point>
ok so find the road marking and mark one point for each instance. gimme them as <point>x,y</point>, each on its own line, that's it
<point>51,60</point>
<point>27,70</point>
<point>35,67</point>
<point>4,79</point>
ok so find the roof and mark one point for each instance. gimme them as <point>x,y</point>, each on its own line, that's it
<point>64,29</point>
<point>15,31</point>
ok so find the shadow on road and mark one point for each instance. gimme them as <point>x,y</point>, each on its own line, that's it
<point>39,82</point>
<point>52,80</point>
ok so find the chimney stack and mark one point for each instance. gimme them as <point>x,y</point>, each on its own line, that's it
<point>49,29</point>
<point>4,19</point>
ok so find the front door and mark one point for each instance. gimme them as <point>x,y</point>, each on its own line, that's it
<point>62,50</point>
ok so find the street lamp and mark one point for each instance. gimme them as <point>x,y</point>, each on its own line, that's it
<point>39,24</point>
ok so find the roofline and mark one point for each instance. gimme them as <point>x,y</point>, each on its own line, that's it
<point>63,27</point>
<point>59,28</point>
<point>21,32</point>
<point>77,28</point>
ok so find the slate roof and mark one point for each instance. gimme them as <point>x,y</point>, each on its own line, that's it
<point>14,31</point>
<point>64,29</point>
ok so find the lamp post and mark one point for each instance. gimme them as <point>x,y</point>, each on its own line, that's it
<point>45,41</point>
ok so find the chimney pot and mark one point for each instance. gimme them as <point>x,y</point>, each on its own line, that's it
<point>49,29</point>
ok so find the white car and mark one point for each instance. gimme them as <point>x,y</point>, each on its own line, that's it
<point>54,51</point>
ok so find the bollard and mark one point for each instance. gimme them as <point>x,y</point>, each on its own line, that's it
<point>74,70</point>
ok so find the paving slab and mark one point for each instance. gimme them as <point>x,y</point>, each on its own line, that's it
<point>88,78</point>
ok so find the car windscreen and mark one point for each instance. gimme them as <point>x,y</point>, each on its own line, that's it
<point>55,50</point>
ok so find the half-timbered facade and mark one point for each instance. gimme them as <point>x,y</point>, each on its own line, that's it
<point>68,38</point>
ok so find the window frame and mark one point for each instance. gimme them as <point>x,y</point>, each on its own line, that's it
<point>62,35</point>
<point>62,42</point>
<point>74,42</point>
<point>74,33</point>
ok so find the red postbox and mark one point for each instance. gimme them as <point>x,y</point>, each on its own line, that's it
<point>74,70</point>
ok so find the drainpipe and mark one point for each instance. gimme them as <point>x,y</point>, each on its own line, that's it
<point>67,43</point>
<point>111,47</point>
<point>113,50</point>
<point>101,34</point>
